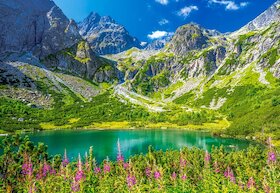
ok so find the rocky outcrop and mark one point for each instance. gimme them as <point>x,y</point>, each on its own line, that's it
<point>35,25</point>
<point>158,43</point>
<point>187,38</point>
<point>272,14</point>
<point>195,53</point>
<point>82,61</point>
<point>105,35</point>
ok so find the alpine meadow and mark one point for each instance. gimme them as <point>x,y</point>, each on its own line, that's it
<point>85,106</point>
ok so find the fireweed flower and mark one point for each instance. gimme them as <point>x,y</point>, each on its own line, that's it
<point>52,172</point>
<point>131,181</point>
<point>97,170</point>
<point>106,168</point>
<point>271,157</point>
<point>229,174</point>
<point>80,173</point>
<point>174,176</point>
<point>46,169</point>
<point>75,186</point>
<point>39,176</point>
<point>79,176</point>
<point>148,172</point>
<point>65,161</point>
<point>207,158</point>
<point>157,175</point>
<point>120,158</point>
<point>251,183</point>
<point>27,167</point>
<point>182,163</point>
<point>126,165</point>
<point>184,177</point>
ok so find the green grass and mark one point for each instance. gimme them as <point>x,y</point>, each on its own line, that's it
<point>272,56</point>
<point>243,38</point>
<point>173,87</point>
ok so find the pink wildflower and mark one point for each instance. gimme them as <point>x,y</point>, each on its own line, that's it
<point>230,175</point>
<point>97,170</point>
<point>65,161</point>
<point>148,172</point>
<point>207,158</point>
<point>126,165</point>
<point>27,167</point>
<point>271,157</point>
<point>107,168</point>
<point>174,176</point>
<point>157,175</point>
<point>131,181</point>
<point>251,183</point>
<point>120,158</point>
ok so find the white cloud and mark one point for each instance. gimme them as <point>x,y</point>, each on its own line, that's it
<point>230,5</point>
<point>163,22</point>
<point>159,34</point>
<point>244,4</point>
<point>163,2</point>
<point>186,11</point>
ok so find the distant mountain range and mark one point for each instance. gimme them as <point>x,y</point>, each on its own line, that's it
<point>44,55</point>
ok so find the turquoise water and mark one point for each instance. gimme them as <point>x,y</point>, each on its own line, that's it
<point>132,142</point>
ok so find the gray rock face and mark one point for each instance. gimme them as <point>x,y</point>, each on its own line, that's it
<point>159,43</point>
<point>35,25</point>
<point>195,52</point>
<point>187,38</point>
<point>272,14</point>
<point>105,35</point>
<point>81,61</point>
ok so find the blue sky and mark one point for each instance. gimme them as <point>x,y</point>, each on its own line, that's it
<point>148,19</point>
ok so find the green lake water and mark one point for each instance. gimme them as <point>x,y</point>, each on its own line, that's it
<point>132,142</point>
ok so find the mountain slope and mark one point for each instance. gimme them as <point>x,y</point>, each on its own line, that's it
<point>44,62</point>
<point>234,74</point>
<point>265,19</point>
<point>37,26</point>
<point>200,79</point>
<point>105,35</point>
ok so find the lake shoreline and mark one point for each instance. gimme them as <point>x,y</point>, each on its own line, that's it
<point>109,126</point>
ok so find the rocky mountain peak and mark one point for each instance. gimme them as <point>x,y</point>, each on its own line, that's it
<point>189,37</point>
<point>105,35</point>
<point>107,19</point>
<point>93,17</point>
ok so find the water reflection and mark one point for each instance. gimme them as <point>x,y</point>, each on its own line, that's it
<point>132,141</point>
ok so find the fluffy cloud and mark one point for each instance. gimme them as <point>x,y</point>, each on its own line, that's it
<point>186,11</point>
<point>229,5</point>
<point>163,22</point>
<point>159,34</point>
<point>163,2</point>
